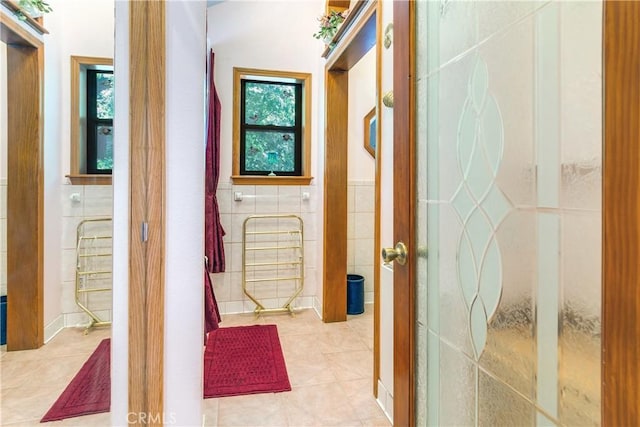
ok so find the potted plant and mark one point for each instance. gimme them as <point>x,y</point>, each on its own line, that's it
<point>329,24</point>
<point>33,8</point>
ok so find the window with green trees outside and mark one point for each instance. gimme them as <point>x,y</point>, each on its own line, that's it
<point>271,125</point>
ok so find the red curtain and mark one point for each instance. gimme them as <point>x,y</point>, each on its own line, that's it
<point>214,249</point>
<point>211,314</point>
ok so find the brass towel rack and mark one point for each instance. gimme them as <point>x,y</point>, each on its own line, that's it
<point>273,261</point>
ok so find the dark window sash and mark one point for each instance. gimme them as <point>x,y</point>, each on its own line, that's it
<point>92,124</point>
<point>296,130</point>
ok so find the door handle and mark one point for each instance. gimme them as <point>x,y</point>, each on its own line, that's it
<point>399,254</point>
<point>388,36</point>
<point>387,99</point>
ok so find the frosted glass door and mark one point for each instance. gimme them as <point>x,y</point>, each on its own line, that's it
<point>509,141</point>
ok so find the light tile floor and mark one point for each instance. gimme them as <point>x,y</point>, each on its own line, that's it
<point>330,368</point>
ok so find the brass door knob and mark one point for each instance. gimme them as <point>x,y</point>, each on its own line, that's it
<point>388,36</point>
<point>387,99</point>
<point>399,254</point>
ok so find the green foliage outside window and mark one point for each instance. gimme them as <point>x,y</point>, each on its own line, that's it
<point>270,151</point>
<point>104,95</point>
<point>270,104</point>
<point>104,110</point>
<point>271,127</point>
<point>100,111</point>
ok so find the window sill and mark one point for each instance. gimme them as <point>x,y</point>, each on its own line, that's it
<point>271,180</point>
<point>84,179</point>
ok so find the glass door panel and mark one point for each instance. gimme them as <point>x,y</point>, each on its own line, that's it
<point>509,166</point>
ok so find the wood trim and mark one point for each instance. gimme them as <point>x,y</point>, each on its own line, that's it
<point>89,179</point>
<point>147,172</point>
<point>334,300</point>
<point>354,19</point>
<point>271,180</point>
<point>76,148</point>
<point>25,198</point>
<point>137,141</point>
<point>74,114</point>
<point>367,133</point>
<point>376,217</point>
<point>355,44</point>
<point>305,79</point>
<point>339,4</point>
<point>14,7</point>
<point>621,216</point>
<point>404,208</point>
<point>13,33</point>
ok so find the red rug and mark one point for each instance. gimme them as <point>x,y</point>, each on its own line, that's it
<point>90,390</point>
<point>244,360</point>
<point>239,360</point>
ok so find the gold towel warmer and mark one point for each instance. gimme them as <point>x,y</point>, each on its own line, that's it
<point>94,248</point>
<point>279,248</point>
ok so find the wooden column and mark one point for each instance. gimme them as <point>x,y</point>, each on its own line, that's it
<point>25,198</point>
<point>147,172</point>
<point>334,307</point>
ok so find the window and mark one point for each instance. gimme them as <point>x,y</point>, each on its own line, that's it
<point>99,121</point>
<point>92,110</point>
<point>272,127</point>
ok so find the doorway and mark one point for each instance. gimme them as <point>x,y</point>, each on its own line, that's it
<point>337,257</point>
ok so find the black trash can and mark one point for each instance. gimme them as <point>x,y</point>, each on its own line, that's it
<point>355,294</point>
<point>3,320</point>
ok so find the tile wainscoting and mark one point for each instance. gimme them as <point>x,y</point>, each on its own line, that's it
<point>360,232</point>
<point>265,200</point>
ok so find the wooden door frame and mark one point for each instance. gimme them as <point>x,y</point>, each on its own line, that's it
<point>621,215</point>
<point>404,210</point>
<point>25,189</point>
<point>346,55</point>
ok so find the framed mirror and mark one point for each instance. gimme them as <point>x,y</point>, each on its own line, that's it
<point>370,132</point>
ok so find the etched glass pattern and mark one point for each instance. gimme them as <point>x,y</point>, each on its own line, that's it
<point>480,204</point>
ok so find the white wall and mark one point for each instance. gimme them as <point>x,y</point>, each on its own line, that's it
<point>258,34</point>
<point>270,35</point>
<point>53,146</point>
<point>184,239</point>
<point>70,33</point>
<point>86,28</point>
<point>361,173</point>
<point>120,325</point>
<point>362,98</point>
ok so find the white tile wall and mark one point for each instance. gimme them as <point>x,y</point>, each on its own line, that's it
<point>360,232</point>
<point>96,201</point>
<point>264,200</point>
<point>81,202</point>
<point>87,202</point>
